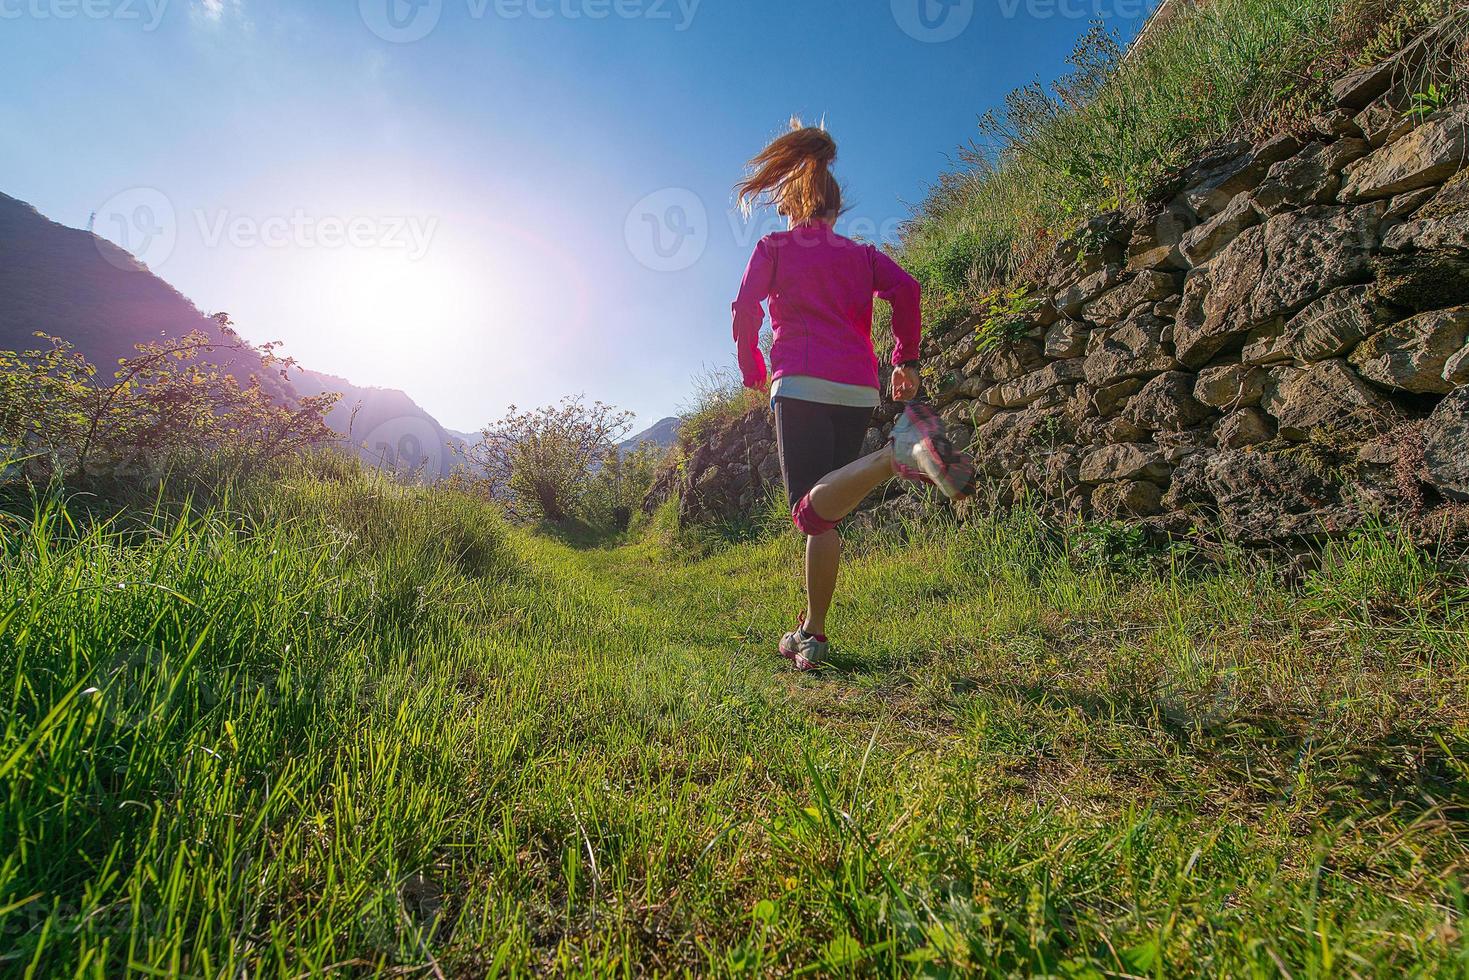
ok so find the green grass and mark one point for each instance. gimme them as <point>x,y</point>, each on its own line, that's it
<point>1105,137</point>
<point>339,726</point>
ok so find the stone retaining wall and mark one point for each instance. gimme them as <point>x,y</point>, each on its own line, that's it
<point>1275,343</point>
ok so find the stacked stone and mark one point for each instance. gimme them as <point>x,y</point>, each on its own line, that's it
<point>1241,348</point>
<point>1262,346</point>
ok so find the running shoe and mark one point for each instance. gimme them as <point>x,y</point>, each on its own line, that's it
<point>806,651</point>
<point>923,454</point>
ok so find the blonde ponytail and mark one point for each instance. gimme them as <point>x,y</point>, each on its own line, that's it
<point>794,174</point>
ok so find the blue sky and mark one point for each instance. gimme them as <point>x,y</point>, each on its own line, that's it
<point>460,198</point>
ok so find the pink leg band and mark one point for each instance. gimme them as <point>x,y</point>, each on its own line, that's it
<point>809,522</point>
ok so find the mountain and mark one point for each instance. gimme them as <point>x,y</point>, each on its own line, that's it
<point>87,291</point>
<point>389,429</point>
<point>664,433</point>
<point>82,288</point>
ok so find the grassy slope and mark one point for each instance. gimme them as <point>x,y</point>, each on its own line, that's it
<point>1060,155</point>
<point>373,728</point>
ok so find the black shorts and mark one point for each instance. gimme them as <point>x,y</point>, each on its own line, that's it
<point>814,439</point>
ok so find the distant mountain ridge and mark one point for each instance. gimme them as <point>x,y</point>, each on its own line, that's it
<point>74,285</point>
<point>662,433</point>
<point>389,429</point>
<point>92,294</point>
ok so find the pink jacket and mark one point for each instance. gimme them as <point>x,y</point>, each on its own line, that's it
<point>820,286</point>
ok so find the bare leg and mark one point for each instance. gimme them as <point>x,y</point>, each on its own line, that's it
<point>837,495</point>
<point>823,554</point>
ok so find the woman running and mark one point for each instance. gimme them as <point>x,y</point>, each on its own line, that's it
<point>821,288</point>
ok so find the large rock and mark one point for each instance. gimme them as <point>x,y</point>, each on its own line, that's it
<point>1329,327</point>
<point>1003,363</point>
<point>1123,429</point>
<point>1311,251</point>
<point>1215,309</point>
<point>1132,349</point>
<point>1359,88</point>
<point>1335,123</point>
<point>1146,287</point>
<point>1213,191</point>
<point>1456,371</point>
<point>1131,498</point>
<point>1180,444</point>
<point>1429,234</point>
<point>1430,154</point>
<point>1404,206</point>
<point>1412,355</point>
<point>1383,121</point>
<point>1205,241</point>
<point>1067,338</point>
<point>1327,397</point>
<point>1446,446</point>
<point>1312,176</point>
<point>1031,387</point>
<point>1071,299</point>
<point>1012,438</point>
<point>1230,386</point>
<point>1167,404</point>
<point>1270,271</point>
<point>1111,399</point>
<point>1156,237</point>
<point>1450,199</point>
<point>1124,462</point>
<point>1395,78</point>
<point>1418,281</point>
<point>1263,498</point>
<point>1246,427</point>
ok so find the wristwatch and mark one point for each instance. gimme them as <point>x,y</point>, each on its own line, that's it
<point>909,364</point>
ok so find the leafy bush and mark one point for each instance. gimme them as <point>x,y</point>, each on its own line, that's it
<point>1109,545</point>
<point>1002,318</point>
<point>616,492</point>
<point>542,463</point>
<point>163,405</point>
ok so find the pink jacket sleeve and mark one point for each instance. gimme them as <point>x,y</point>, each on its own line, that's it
<point>749,315</point>
<point>893,284</point>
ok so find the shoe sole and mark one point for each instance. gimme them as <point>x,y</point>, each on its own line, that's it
<point>943,461</point>
<point>796,660</point>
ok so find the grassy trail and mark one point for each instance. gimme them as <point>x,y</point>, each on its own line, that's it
<point>375,732</point>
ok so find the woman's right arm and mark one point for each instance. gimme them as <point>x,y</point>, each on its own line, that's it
<point>749,316</point>
<point>892,283</point>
